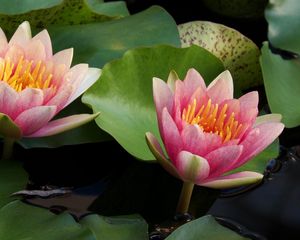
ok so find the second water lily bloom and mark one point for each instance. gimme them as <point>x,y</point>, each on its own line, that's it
<point>207,133</point>
<point>35,85</point>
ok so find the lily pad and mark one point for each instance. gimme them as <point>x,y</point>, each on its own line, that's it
<point>282,85</point>
<point>130,227</point>
<point>283,23</point>
<point>13,178</point>
<point>204,228</point>
<point>123,94</point>
<point>44,13</point>
<point>38,223</point>
<point>238,53</point>
<point>8,128</point>
<point>22,221</point>
<point>109,41</point>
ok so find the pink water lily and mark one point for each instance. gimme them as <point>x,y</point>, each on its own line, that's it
<point>207,133</point>
<point>35,85</point>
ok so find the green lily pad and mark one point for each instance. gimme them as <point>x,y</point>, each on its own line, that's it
<point>123,94</point>
<point>282,85</point>
<point>44,13</point>
<point>238,53</point>
<point>283,23</point>
<point>109,41</point>
<point>206,228</point>
<point>22,221</point>
<point>13,178</point>
<point>8,128</point>
<point>37,223</point>
<point>118,228</point>
<point>100,43</point>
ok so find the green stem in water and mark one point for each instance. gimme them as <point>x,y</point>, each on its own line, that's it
<point>8,145</point>
<point>185,197</point>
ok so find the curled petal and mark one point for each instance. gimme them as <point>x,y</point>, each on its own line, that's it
<point>274,117</point>
<point>86,81</point>
<point>233,180</point>
<point>191,167</point>
<point>258,139</point>
<point>28,98</point>
<point>221,88</point>
<point>64,124</point>
<point>8,99</point>
<point>157,151</point>
<point>198,142</point>
<point>35,118</point>
<point>163,97</point>
<point>170,135</point>
<point>221,159</point>
<point>192,81</point>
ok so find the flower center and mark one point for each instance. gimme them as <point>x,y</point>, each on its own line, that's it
<point>213,120</point>
<point>26,74</point>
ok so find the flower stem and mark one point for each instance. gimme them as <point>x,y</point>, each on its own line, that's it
<point>185,197</point>
<point>8,145</point>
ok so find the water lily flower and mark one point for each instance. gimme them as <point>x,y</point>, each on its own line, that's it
<point>207,133</point>
<point>35,85</point>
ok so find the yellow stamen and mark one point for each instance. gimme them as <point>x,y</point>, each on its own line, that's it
<point>211,119</point>
<point>25,74</point>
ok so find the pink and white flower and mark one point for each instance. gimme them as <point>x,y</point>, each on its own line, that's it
<point>35,85</point>
<point>206,132</point>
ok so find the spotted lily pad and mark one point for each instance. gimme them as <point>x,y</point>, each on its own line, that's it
<point>44,13</point>
<point>238,53</point>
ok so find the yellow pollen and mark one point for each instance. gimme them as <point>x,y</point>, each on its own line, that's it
<point>213,119</point>
<point>25,74</point>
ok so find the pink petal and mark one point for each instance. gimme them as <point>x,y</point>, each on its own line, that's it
<point>85,81</point>
<point>157,151</point>
<point>3,43</point>
<point>192,81</point>
<point>14,53</point>
<point>61,98</point>
<point>44,37</point>
<point>64,57</point>
<point>258,139</point>
<point>249,100</point>
<point>163,97</point>
<point>192,168</point>
<point>28,98</point>
<point>221,88</point>
<point>274,117</point>
<point>21,36</point>
<point>35,118</point>
<point>8,99</point>
<point>198,142</point>
<point>35,51</point>
<point>64,124</point>
<point>221,159</point>
<point>170,135</point>
<point>233,180</point>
